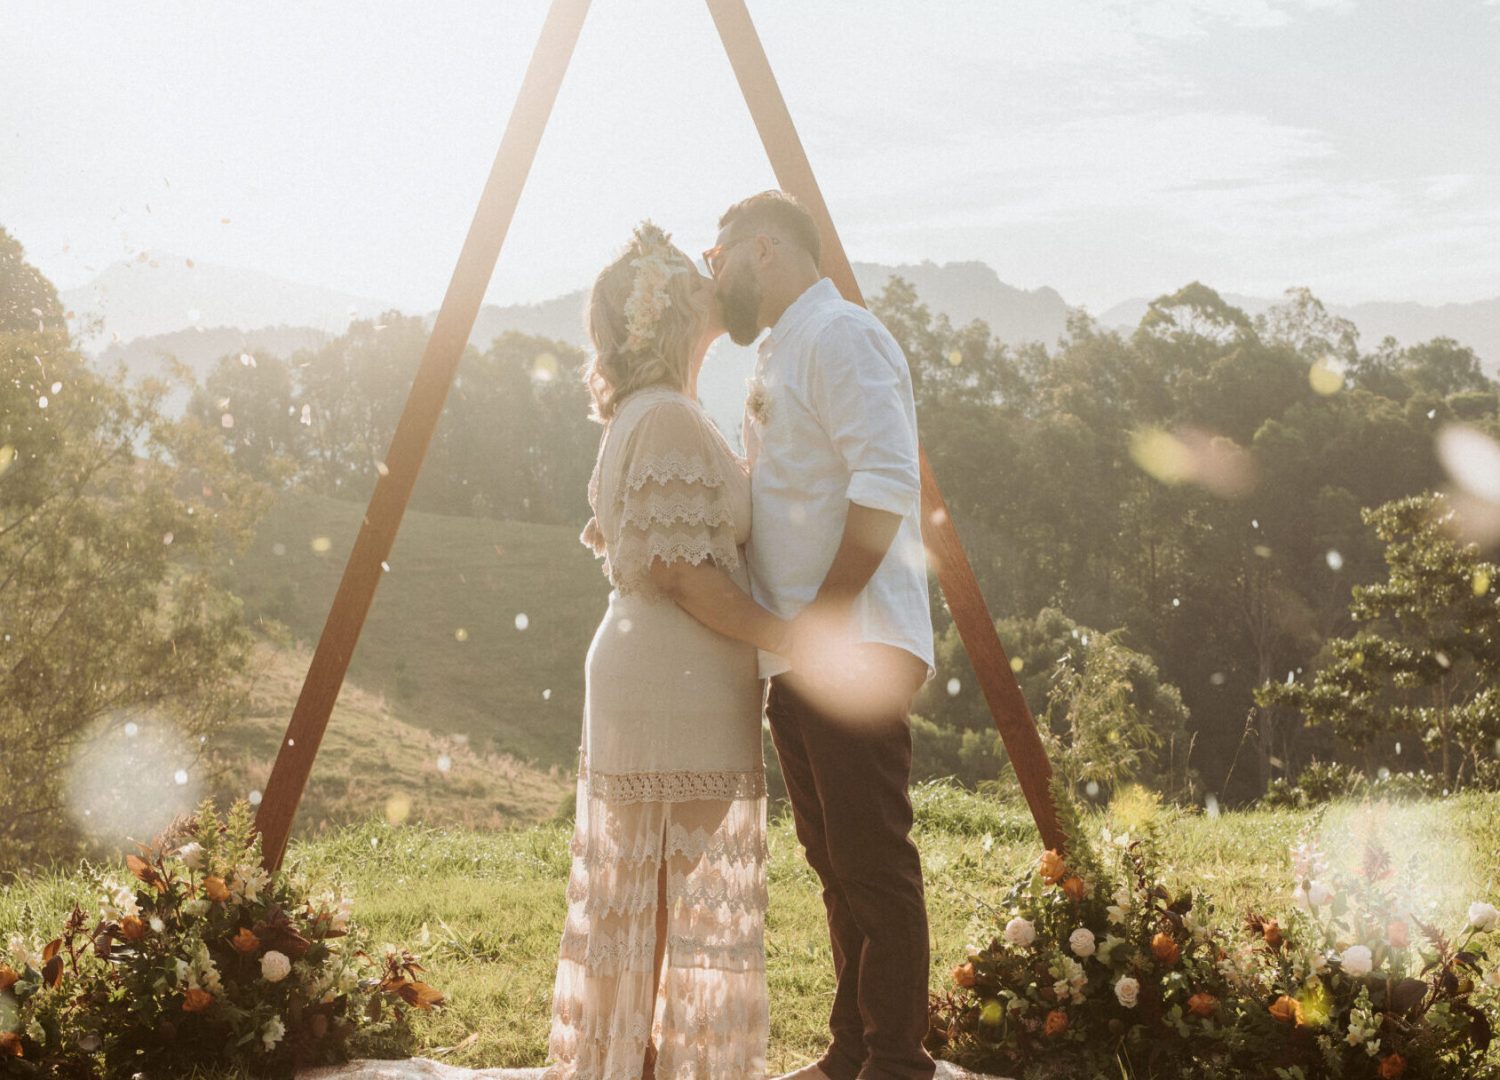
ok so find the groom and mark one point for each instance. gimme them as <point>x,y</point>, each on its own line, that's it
<point>831,434</point>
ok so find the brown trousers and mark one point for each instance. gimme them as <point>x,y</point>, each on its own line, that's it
<point>848,783</point>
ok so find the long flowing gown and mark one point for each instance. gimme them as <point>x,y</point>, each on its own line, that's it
<point>670,769</point>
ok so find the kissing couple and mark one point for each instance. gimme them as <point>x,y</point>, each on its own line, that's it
<point>791,584</point>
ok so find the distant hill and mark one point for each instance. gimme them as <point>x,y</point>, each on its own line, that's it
<point>965,291</point>
<point>167,293</point>
<point>200,349</point>
<point>1476,324</point>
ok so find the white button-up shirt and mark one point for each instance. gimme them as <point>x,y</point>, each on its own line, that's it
<point>830,420</point>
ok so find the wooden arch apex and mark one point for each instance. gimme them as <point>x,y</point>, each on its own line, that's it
<point>450,333</point>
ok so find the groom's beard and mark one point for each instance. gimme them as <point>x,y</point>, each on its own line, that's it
<point>739,305</point>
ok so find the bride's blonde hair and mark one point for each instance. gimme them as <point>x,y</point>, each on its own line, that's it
<point>645,316</point>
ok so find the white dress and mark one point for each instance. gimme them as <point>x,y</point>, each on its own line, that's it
<point>670,768</point>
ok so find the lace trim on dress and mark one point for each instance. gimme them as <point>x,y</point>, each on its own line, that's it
<point>672,465</point>
<point>669,506</point>
<point>674,786</point>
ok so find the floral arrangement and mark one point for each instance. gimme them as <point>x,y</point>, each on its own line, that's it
<point>654,267</point>
<point>758,400</point>
<point>1101,968</point>
<point>199,957</point>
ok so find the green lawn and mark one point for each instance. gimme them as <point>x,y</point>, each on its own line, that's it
<point>485,908</point>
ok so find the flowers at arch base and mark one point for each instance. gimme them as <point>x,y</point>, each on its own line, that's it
<point>1146,976</point>
<point>200,962</point>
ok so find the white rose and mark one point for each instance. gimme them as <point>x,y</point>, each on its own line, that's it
<point>271,1034</point>
<point>1319,894</point>
<point>1020,932</point>
<point>1483,916</point>
<point>274,966</point>
<point>1081,941</point>
<point>191,855</point>
<point>1357,961</point>
<point>1127,991</point>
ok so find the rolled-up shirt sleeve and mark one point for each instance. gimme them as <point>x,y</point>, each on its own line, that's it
<point>861,388</point>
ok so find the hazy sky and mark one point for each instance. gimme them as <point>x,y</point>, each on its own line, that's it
<point>1106,149</point>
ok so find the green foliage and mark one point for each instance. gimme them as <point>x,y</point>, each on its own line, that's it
<point>1425,662</point>
<point>114,527</point>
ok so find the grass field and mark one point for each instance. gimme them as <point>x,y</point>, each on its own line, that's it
<point>444,642</point>
<point>484,908</point>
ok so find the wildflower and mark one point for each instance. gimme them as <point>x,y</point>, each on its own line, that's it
<point>1272,934</point>
<point>271,1034</point>
<point>1127,991</point>
<point>1020,932</point>
<point>215,889</point>
<point>1202,1004</point>
<point>132,928</point>
<point>191,855</point>
<point>195,1000</point>
<point>1121,907</point>
<point>1075,887</point>
<point>1056,1023</point>
<point>1071,981</point>
<point>964,975</point>
<point>1392,1067</point>
<point>1081,941</point>
<point>245,942</point>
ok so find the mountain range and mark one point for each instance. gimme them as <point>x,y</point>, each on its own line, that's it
<point>136,312</point>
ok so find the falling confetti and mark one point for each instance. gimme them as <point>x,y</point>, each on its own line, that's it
<point>1472,459</point>
<point>41,402</point>
<point>444,763</point>
<point>1211,805</point>
<point>166,538</point>
<point>255,797</point>
<point>227,420</point>
<point>306,415</point>
<point>1016,664</point>
<point>954,686</point>
<point>625,625</point>
<point>1335,560</point>
<point>1176,601</point>
<point>955,358</point>
<point>1481,582</point>
<point>180,776</point>
<point>522,622</point>
<point>385,566</point>
<point>1091,789</point>
<point>7,455</point>
<point>320,544</point>
<point>544,368</point>
<point>382,468</point>
<point>460,634</point>
<point>57,388</point>
<point>547,694</point>
<point>397,809</point>
<point>1216,679</point>
<point>132,729</point>
<point>246,360</point>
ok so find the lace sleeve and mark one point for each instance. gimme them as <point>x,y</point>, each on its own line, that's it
<point>673,503</point>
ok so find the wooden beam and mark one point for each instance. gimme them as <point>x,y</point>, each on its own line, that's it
<point>794,173</point>
<point>419,417</point>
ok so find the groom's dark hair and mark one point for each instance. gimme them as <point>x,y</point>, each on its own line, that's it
<point>779,211</point>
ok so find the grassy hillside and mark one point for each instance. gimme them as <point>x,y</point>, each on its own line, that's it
<point>485,909</point>
<point>373,763</point>
<point>443,643</point>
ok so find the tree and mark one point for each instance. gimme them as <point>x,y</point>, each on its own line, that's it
<point>113,523</point>
<point>1426,659</point>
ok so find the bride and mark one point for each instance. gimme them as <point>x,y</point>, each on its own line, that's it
<point>662,962</point>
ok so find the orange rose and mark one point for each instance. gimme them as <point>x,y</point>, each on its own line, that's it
<point>216,889</point>
<point>1075,888</point>
<point>196,1000</point>
<point>132,929</point>
<point>1202,1004</point>
<point>1287,1010</point>
<point>10,1044</point>
<point>1052,867</point>
<point>1165,949</point>
<point>964,975</point>
<point>1272,934</point>
<point>1396,933</point>
<point>245,941</point>
<point>1392,1067</point>
<point>1056,1023</point>
<point>8,978</point>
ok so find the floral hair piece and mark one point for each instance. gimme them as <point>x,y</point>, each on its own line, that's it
<point>648,300</point>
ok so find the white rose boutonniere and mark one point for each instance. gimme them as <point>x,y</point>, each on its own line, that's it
<point>758,401</point>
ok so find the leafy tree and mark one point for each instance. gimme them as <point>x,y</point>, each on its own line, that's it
<point>1426,658</point>
<point>113,523</point>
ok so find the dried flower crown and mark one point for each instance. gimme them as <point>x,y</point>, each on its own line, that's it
<point>655,266</point>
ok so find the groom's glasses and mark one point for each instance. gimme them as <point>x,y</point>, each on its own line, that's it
<point>715,257</point>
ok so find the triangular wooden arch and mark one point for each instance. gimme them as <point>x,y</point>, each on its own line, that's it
<point>450,333</point>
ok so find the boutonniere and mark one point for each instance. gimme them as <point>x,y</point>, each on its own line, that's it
<point>758,401</point>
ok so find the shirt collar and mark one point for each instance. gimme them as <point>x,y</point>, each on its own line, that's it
<point>817,293</point>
